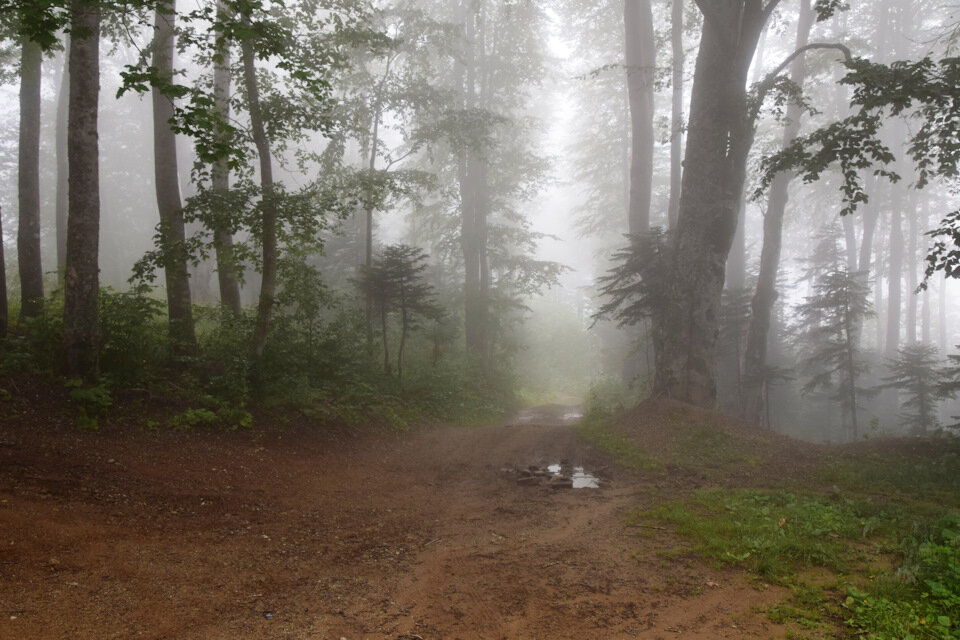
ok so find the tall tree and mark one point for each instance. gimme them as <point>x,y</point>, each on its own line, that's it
<point>220,178</point>
<point>765,295</point>
<point>268,205</point>
<point>641,65</point>
<point>676,114</point>
<point>63,166</point>
<point>3,285</point>
<point>28,234</point>
<point>81,334</point>
<point>718,141</point>
<point>167,176</point>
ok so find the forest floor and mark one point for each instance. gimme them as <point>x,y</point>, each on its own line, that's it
<point>298,533</point>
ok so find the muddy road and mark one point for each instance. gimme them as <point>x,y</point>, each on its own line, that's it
<point>431,534</point>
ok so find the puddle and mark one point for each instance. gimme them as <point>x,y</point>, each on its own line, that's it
<point>555,476</point>
<point>583,480</point>
<point>572,416</point>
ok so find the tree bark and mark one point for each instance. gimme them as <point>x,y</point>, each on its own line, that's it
<point>3,285</point>
<point>473,196</point>
<point>942,309</point>
<point>268,286</point>
<point>220,182</point>
<point>63,166</point>
<point>640,62</point>
<point>911,265</point>
<point>719,139</point>
<point>28,232</point>
<point>676,116</point>
<point>167,183</point>
<point>895,279</point>
<point>850,243</point>
<point>81,334</point>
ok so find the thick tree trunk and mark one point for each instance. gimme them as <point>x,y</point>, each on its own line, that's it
<point>676,116</point>
<point>28,233</point>
<point>167,183</point>
<point>81,334</point>
<point>268,285</point>
<point>719,139</point>
<point>220,182</point>
<point>641,63</point>
<point>63,166</point>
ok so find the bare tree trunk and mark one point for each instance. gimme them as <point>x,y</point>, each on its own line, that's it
<point>925,313</point>
<point>268,285</point>
<point>758,333</point>
<point>220,179</point>
<point>640,62</point>
<point>81,333</point>
<point>676,116</point>
<point>3,286</point>
<point>850,243</point>
<point>895,279</point>
<point>63,167</point>
<point>942,308</point>
<point>911,264</point>
<point>28,233</point>
<point>167,176</point>
<point>473,196</point>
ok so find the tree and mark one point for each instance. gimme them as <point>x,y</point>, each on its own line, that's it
<point>676,115</point>
<point>641,65</point>
<point>28,234</point>
<point>3,286</point>
<point>765,295</point>
<point>721,132</point>
<point>829,319</point>
<point>395,283</point>
<point>167,176</point>
<point>220,177</point>
<point>918,374</point>
<point>81,283</point>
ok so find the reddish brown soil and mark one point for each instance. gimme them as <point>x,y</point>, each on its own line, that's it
<point>297,534</point>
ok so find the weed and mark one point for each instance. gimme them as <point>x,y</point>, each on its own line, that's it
<point>595,430</point>
<point>91,402</point>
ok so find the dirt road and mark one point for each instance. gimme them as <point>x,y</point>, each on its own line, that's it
<point>301,536</point>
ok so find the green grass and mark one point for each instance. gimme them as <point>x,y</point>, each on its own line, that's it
<point>778,535</point>
<point>595,430</point>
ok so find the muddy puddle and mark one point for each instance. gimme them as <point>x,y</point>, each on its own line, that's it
<point>557,476</point>
<point>549,415</point>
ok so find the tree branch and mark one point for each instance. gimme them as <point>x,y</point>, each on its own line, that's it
<point>764,86</point>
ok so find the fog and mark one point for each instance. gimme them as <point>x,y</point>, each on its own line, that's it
<point>520,115</point>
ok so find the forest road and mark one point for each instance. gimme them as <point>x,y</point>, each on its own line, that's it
<point>430,534</point>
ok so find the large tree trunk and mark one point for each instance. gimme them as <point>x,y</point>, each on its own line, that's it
<point>676,116</point>
<point>167,176</point>
<point>28,233</point>
<point>81,335</point>
<point>268,286</point>
<point>719,139</point>
<point>758,333</point>
<point>640,62</point>
<point>220,182</point>
<point>63,166</point>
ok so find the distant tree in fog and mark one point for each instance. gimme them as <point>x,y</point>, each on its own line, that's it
<point>917,372</point>
<point>828,322</point>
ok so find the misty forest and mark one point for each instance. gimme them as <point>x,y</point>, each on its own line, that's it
<point>420,319</point>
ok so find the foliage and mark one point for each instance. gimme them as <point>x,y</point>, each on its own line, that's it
<point>91,401</point>
<point>925,91</point>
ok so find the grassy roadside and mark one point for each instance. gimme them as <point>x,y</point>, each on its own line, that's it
<point>867,539</point>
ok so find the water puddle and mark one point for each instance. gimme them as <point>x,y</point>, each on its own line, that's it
<point>556,476</point>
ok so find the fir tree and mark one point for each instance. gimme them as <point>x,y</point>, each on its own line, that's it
<point>918,374</point>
